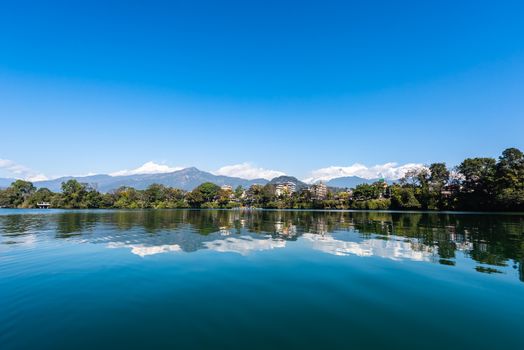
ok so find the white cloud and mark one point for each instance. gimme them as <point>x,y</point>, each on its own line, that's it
<point>147,168</point>
<point>391,171</point>
<point>142,250</point>
<point>20,171</point>
<point>244,245</point>
<point>248,171</point>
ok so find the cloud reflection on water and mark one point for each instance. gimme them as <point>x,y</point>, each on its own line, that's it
<point>450,239</point>
<point>391,249</point>
<point>142,250</point>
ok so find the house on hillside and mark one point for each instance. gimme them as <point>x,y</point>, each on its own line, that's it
<point>318,191</point>
<point>285,189</point>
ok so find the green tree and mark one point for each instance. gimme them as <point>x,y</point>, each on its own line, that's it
<point>41,195</point>
<point>127,197</point>
<point>366,191</point>
<point>262,196</point>
<point>205,193</point>
<point>92,199</point>
<point>510,180</point>
<point>174,198</point>
<point>438,178</point>
<point>79,195</point>
<point>73,193</point>
<point>19,192</point>
<point>404,198</point>
<point>478,183</point>
<point>5,198</point>
<point>154,195</point>
<point>224,197</point>
<point>239,192</point>
<point>439,175</point>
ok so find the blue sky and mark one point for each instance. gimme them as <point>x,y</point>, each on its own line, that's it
<point>290,87</point>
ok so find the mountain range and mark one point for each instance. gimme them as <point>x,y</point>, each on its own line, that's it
<point>284,178</point>
<point>350,181</point>
<point>186,179</point>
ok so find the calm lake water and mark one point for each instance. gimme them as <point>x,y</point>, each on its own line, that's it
<point>191,279</point>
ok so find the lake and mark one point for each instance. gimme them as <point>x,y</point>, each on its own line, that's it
<point>260,279</point>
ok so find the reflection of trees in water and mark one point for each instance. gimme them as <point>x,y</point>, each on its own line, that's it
<point>487,239</point>
<point>13,225</point>
<point>71,223</point>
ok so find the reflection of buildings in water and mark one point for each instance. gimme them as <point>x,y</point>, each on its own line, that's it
<point>460,241</point>
<point>244,244</point>
<point>142,250</point>
<point>224,231</point>
<point>391,249</point>
<point>319,227</point>
<point>463,246</point>
<point>285,229</point>
<point>233,216</point>
<point>386,227</point>
<point>482,247</point>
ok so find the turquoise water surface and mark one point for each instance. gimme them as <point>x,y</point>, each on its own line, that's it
<point>190,279</point>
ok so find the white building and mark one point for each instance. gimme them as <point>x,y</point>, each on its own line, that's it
<point>319,191</point>
<point>227,188</point>
<point>285,188</point>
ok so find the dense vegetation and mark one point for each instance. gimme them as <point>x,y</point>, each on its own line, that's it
<point>475,184</point>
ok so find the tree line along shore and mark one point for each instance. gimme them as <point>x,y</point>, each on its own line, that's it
<point>479,184</point>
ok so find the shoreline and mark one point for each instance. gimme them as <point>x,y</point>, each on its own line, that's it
<point>393,211</point>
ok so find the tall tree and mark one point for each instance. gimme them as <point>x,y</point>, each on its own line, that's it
<point>510,180</point>
<point>404,198</point>
<point>20,191</point>
<point>439,175</point>
<point>478,184</point>
<point>239,192</point>
<point>73,193</point>
<point>79,195</point>
<point>205,193</point>
<point>438,178</point>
